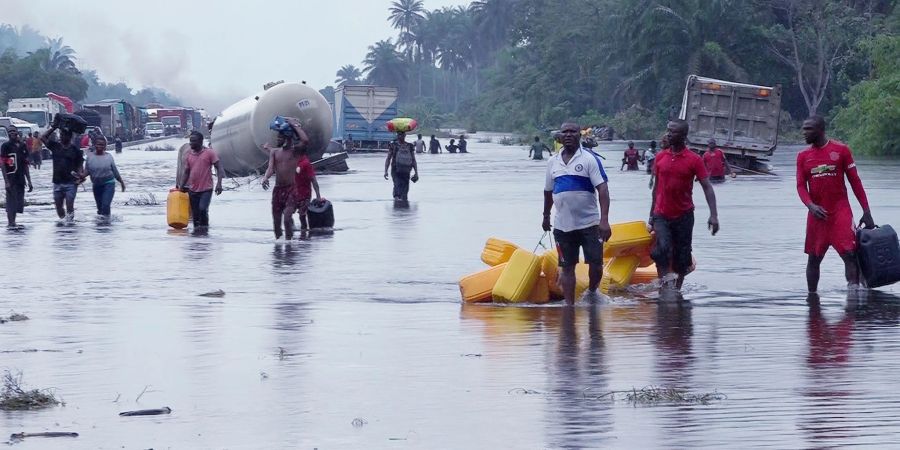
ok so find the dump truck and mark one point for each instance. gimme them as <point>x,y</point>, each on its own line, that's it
<point>742,118</point>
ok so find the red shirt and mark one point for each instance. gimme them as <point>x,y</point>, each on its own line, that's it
<point>820,176</point>
<point>303,178</point>
<point>715,162</point>
<point>675,173</point>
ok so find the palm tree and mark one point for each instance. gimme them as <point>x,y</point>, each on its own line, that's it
<point>406,13</point>
<point>57,57</point>
<point>662,38</point>
<point>348,74</point>
<point>384,65</point>
<point>494,20</point>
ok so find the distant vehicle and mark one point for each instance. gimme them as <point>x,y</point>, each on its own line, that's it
<point>25,128</point>
<point>4,136</point>
<point>37,110</point>
<point>154,129</point>
<point>742,118</point>
<point>361,113</point>
<point>117,117</point>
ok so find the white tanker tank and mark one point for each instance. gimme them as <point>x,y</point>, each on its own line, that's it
<point>240,131</point>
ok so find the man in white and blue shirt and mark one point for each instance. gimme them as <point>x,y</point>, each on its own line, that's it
<point>574,174</point>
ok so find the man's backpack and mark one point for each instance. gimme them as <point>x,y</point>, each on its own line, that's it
<point>403,156</point>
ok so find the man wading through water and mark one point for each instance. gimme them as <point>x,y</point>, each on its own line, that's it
<point>672,205</point>
<point>283,163</point>
<point>821,169</point>
<point>68,169</point>
<point>401,160</point>
<point>14,167</point>
<point>197,178</point>
<point>574,174</point>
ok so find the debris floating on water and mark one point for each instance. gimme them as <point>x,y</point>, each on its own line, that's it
<point>15,398</point>
<point>49,434</point>
<point>142,200</point>
<point>523,391</point>
<point>14,317</point>
<point>652,395</point>
<point>147,412</point>
<point>359,422</point>
<point>216,294</point>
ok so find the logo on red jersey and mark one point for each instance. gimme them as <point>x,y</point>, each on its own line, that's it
<point>823,170</point>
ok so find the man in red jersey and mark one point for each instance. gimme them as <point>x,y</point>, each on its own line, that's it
<point>672,207</point>
<point>821,169</point>
<point>716,164</point>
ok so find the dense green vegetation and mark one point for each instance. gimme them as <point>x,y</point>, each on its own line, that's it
<point>32,65</point>
<point>529,64</point>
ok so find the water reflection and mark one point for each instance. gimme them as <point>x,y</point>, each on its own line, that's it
<point>577,370</point>
<point>672,339</point>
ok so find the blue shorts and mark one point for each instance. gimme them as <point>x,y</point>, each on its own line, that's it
<point>64,191</point>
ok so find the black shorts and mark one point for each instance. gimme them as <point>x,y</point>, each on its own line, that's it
<point>673,242</point>
<point>568,243</point>
<point>15,198</point>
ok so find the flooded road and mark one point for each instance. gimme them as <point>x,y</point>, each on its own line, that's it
<point>358,339</point>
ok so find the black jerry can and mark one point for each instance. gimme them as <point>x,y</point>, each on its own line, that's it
<point>320,215</point>
<point>878,251</point>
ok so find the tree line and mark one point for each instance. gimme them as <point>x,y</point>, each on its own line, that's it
<point>32,65</point>
<point>530,64</point>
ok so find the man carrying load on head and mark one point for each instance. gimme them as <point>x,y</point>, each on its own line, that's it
<point>401,161</point>
<point>574,174</point>
<point>821,169</point>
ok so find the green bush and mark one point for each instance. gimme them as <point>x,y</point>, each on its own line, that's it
<point>870,123</point>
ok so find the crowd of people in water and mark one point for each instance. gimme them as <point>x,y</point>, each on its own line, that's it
<point>575,187</point>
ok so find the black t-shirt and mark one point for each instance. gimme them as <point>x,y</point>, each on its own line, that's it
<point>14,157</point>
<point>65,161</point>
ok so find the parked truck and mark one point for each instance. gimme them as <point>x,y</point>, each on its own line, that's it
<point>117,117</point>
<point>38,110</point>
<point>742,118</point>
<point>361,114</point>
<point>175,120</point>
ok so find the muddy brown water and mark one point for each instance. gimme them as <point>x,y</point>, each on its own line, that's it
<point>367,324</point>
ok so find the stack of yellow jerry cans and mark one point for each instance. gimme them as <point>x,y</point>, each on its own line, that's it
<point>517,275</point>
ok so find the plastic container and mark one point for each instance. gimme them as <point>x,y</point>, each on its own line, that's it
<point>518,278</point>
<point>628,238</point>
<point>878,252</point>
<point>550,268</point>
<point>497,251</point>
<point>644,275</point>
<point>320,215</point>
<point>477,287</point>
<point>540,293</point>
<point>618,272</point>
<point>178,209</point>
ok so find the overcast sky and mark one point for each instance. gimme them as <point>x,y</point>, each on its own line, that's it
<point>212,53</point>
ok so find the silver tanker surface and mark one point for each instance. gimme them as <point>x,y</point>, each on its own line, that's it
<point>241,130</point>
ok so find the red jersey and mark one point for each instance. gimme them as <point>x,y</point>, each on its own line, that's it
<point>632,157</point>
<point>675,174</point>
<point>303,178</point>
<point>820,176</point>
<point>715,162</point>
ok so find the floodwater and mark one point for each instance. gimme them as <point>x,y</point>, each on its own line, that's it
<point>358,339</point>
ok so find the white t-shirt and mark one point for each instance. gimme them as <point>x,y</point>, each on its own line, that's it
<point>574,189</point>
<point>420,146</point>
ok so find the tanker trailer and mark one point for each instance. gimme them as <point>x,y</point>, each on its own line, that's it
<point>240,131</point>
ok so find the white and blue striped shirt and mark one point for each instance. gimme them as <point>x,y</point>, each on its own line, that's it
<point>574,189</point>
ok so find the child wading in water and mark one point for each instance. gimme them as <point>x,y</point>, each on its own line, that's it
<point>304,179</point>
